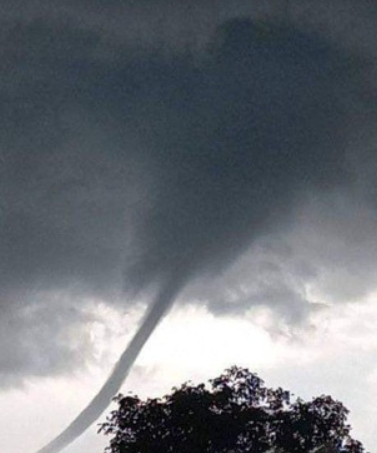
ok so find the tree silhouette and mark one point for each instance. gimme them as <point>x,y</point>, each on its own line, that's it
<point>235,413</point>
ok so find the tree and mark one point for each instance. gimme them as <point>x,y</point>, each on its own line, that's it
<point>235,413</point>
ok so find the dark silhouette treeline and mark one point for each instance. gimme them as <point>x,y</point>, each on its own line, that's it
<point>235,412</point>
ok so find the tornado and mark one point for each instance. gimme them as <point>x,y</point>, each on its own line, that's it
<point>224,150</point>
<point>95,408</point>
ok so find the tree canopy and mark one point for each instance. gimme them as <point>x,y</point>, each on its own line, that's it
<point>233,413</point>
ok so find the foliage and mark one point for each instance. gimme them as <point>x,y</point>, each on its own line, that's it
<point>236,413</point>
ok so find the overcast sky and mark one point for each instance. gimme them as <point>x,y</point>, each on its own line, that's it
<point>227,152</point>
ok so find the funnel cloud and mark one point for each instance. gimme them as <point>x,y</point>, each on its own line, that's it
<point>91,413</point>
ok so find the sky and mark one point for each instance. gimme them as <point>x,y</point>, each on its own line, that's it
<point>223,155</point>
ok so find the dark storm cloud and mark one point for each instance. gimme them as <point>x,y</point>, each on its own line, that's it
<point>26,338</point>
<point>130,158</point>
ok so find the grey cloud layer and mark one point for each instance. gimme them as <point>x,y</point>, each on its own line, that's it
<point>124,166</point>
